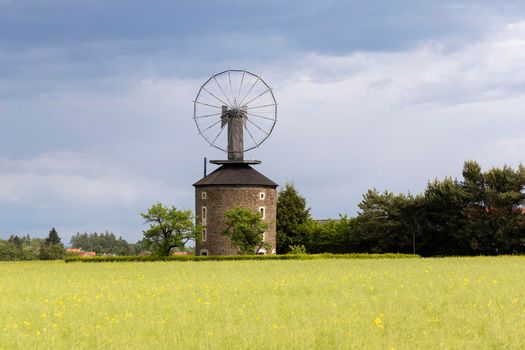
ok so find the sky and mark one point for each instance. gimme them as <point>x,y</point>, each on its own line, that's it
<point>96,100</point>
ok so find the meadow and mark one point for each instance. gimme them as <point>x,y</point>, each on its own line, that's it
<point>442,303</point>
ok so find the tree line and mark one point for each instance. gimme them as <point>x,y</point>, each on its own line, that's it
<point>27,248</point>
<point>51,248</point>
<point>479,214</point>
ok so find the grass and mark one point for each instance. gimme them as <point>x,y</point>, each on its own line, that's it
<point>454,303</point>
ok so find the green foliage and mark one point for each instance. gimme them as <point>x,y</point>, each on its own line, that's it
<point>291,215</point>
<point>168,228</point>
<point>479,215</point>
<point>297,249</point>
<point>245,229</point>
<point>152,258</point>
<point>20,248</point>
<point>103,243</point>
<point>9,251</point>
<point>52,252</point>
<point>443,219</point>
<point>53,249</point>
<point>53,237</point>
<point>493,221</point>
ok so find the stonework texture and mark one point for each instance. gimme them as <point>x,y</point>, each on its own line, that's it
<point>220,199</point>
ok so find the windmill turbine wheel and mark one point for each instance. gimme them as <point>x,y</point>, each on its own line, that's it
<point>235,111</point>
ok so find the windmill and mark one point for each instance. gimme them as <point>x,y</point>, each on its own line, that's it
<point>235,111</point>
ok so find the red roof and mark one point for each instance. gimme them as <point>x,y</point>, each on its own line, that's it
<point>88,253</point>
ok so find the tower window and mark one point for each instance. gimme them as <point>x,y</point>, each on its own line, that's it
<point>262,211</point>
<point>262,195</point>
<point>204,235</point>
<point>203,195</point>
<point>204,252</point>
<point>203,217</point>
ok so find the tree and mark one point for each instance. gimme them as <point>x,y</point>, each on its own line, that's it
<point>444,219</point>
<point>329,236</point>
<point>52,252</point>
<point>382,225</point>
<point>53,248</point>
<point>245,228</point>
<point>102,243</point>
<point>168,228</point>
<point>291,214</point>
<point>494,222</point>
<point>53,237</point>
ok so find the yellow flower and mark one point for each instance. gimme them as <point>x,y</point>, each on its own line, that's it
<point>379,323</point>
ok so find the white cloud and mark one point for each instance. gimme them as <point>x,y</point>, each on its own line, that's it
<point>72,180</point>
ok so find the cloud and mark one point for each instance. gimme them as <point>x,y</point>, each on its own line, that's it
<point>92,153</point>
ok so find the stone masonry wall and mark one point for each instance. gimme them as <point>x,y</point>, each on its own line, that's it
<point>220,199</point>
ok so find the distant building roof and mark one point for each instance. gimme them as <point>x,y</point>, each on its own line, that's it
<point>73,250</point>
<point>88,253</point>
<point>235,174</point>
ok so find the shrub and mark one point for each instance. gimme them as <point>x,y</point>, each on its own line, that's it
<point>297,249</point>
<point>237,257</point>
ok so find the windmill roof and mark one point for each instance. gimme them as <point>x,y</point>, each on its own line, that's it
<point>235,174</point>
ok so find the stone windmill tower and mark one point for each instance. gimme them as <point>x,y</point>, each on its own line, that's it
<point>235,111</point>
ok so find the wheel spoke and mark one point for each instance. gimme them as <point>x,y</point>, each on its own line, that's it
<point>272,104</point>
<point>207,115</point>
<point>240,86</point>
<point>251,88</point>
<point>265,92</point>
<point>260,116</point>
<point>220,87</point>
<point>231,88</point>
<point>206,104</point>
<point>249,132</point>
<point>257,126</point>
<point>224,103</point>
<point>209,127</point>
<point>216,137</point>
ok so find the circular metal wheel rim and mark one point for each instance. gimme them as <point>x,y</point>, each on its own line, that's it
<point>257,78</point>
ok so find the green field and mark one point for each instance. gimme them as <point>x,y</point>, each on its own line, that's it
<point>448,303</point>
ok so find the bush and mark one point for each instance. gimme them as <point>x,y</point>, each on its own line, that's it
<point>237,257</point>
<point>297,249</point>
<point>52,252</point>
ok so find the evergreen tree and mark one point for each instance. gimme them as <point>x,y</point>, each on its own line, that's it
<point>291,215</point>
<point>53,237</point>
<point>382,224</point>
<point>494,221</point>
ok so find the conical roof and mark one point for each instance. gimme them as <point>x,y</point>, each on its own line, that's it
<point>235,174</point>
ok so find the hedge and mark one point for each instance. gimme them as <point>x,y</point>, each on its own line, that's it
<point>238,257</point>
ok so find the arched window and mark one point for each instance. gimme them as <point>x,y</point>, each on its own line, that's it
<point>262,211</point>
<point>203,217</point>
